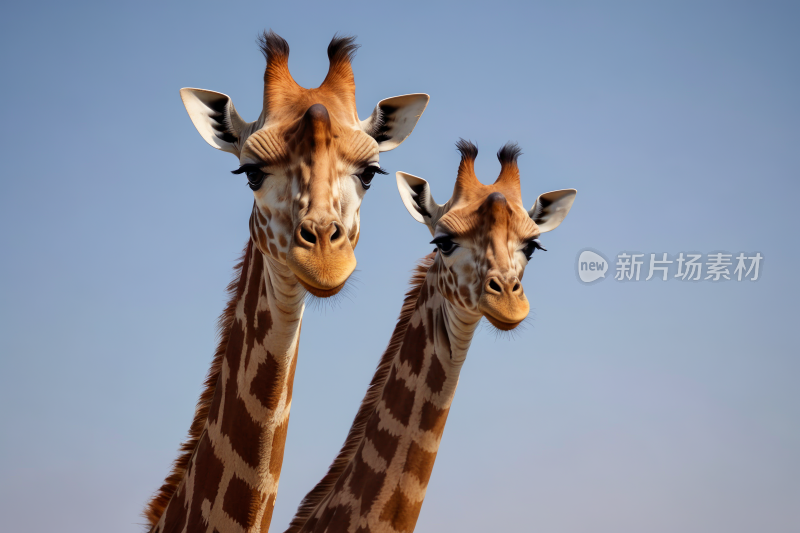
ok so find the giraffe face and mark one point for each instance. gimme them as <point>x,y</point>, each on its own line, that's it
<point>308,159</point>
<point>483,251</point>
<point>310,179</point>
<point>484,235</point>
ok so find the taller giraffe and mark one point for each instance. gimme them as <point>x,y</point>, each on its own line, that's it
<point>485,239</point>
<point>309,161</point>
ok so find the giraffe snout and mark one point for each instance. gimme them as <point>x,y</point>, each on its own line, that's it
<point>321,256</point>
<point>311,234</point>
<point>499,286</point>
<point>503,301</point>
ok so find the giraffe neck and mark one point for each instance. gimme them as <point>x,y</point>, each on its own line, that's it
<point>379,481</point>
<point>231,480</point>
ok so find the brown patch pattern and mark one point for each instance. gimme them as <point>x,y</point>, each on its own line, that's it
<point>237,502</point>
<point>436,376</point>
<point>237,423</point>
<point>278,443</point>
<point>384,442</point>
<point>400,512</point>
<point>365,482</point>
<point>432,418</point>
<point>419,463</point>
<point>209,470</point>
<point>397,398</point>
<point>413,345</point>
<point>266,386</point>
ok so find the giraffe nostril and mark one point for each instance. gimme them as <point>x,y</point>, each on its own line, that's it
<point>516,287</point>
<point>308,236</point>
<point>494,286</point>
<point>336,234</point>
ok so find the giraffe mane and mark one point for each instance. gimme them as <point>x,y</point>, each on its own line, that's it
<point>158,503</point>
<point>357,430</point>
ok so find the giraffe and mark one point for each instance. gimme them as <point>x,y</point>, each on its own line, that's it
<point>484,239</point>
<point>309,161</point>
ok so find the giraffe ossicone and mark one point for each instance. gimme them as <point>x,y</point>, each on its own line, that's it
<point>309,161</point>
<point>485,238</point>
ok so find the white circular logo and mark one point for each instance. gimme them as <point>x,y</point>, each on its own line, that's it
<point>591,266</point>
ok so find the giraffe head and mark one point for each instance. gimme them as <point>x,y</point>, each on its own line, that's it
<point>484,235</point>
<point>308,159</point>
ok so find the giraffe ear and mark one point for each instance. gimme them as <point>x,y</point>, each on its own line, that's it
<point>214,117</point>
<point>551,208</point>
<point>394,119</point>
<point>416,195</point>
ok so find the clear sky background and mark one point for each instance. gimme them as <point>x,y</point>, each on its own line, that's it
<point>649,407</point>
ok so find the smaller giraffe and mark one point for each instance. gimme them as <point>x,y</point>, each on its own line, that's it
<point>485,238</point>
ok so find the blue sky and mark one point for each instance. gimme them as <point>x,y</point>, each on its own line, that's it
<point>623,407</point>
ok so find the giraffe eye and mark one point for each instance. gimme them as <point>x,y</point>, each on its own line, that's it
<point>531,246</point>
<point>369,173</point>
<point>255,176</point>
<point>445,244</point>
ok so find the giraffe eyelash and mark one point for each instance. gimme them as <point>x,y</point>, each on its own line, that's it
<point>247,167</point>
<point>255,176</point>
<point>445,244</point>
<point>531,246</point>
<point>368,173</point>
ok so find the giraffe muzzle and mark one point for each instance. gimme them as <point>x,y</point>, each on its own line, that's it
<point>321,257</point>
<point>503,302</point>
